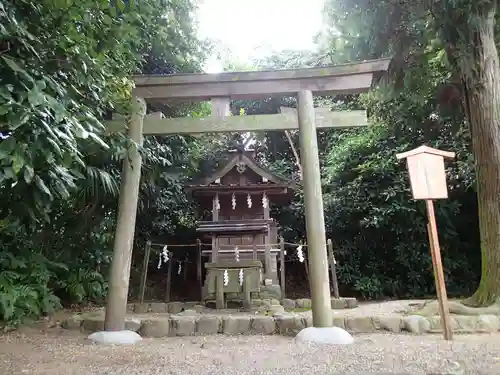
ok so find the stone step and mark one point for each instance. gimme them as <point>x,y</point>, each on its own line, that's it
<point>191,323</point>
<point>267,298</point>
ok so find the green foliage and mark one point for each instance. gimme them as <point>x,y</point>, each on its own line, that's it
<point>55,78</point>
<point>25,279</point>
<point>381,233</point>
<point>84,284</point>
<point>64,65</point>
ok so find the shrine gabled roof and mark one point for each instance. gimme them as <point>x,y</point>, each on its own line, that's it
<point>241,159</point>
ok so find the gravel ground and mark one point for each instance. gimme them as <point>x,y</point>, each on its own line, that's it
<point>60,352</point>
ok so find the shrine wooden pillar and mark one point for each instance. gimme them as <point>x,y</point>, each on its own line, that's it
<point>315,221</point>
<point>116,307</point>
<point>221,108</point>
<point>267,240</point>
<point>215,217</point>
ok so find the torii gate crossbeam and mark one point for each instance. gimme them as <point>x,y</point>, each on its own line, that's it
<point>220,89</point>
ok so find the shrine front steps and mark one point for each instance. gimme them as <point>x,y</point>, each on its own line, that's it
<point>288,304</point>
<point>287,324</point>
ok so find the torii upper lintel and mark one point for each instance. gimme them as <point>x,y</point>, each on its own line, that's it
<point>339,79</point>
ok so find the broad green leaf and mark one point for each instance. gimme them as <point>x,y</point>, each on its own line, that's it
<point>29,174</point>
<point>11,63</point>
<point>18,119</point>
<point>98,140</point>
<point>9,173</point>
<point>7,146</point>
<point>35,96</point>
<point>41,185</point>
<point>18,162</point>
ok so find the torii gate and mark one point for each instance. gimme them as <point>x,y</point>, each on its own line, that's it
<point>220,89</point>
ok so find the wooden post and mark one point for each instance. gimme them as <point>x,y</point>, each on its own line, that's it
<point>185,269</point>
<point>282,268</point>
<point>116,305</point>
<point>308,276</point>
<point>215,217</point>
<point>333,269</point>
<point>215,249</point>
<point>215,208</point>
<point>199,267</point>
<point>219,291</point>
<point>221,106</point>
<point>168,284</point>
<point>444,311</point>
<point>267,249</point>
<point>144,273</point>
<point>247,300</point>
<point>267,259</point>
<point>433,258</point>
<point>428,182</point>
<point>315,221</point>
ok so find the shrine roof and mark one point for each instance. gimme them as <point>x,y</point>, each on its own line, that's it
<point>242,160</point>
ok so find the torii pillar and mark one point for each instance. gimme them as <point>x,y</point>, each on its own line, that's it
<point>313,203</point>
<point>116,306</point>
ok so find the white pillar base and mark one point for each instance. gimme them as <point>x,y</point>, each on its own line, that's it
<point>115,337</point>
<point>325,335</point>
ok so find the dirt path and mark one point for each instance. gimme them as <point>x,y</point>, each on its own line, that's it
<point>61,352</point>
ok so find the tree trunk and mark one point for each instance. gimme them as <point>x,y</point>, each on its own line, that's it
<point>480,71</point>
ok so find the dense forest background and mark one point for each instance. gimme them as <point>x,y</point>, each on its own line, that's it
<point>65,66</point>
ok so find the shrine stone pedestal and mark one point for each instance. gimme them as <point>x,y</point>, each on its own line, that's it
<point>221,291</point>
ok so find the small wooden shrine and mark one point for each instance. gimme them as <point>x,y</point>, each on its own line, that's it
<point>240,228</point>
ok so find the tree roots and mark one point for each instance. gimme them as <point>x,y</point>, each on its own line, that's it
<point>458,308</point>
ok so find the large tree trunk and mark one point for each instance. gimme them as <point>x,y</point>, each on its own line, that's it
<point>480,71</point>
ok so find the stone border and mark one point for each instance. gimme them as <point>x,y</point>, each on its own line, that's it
<point>283,324</point>
<point>305,303</point>
<point>288,304</point>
